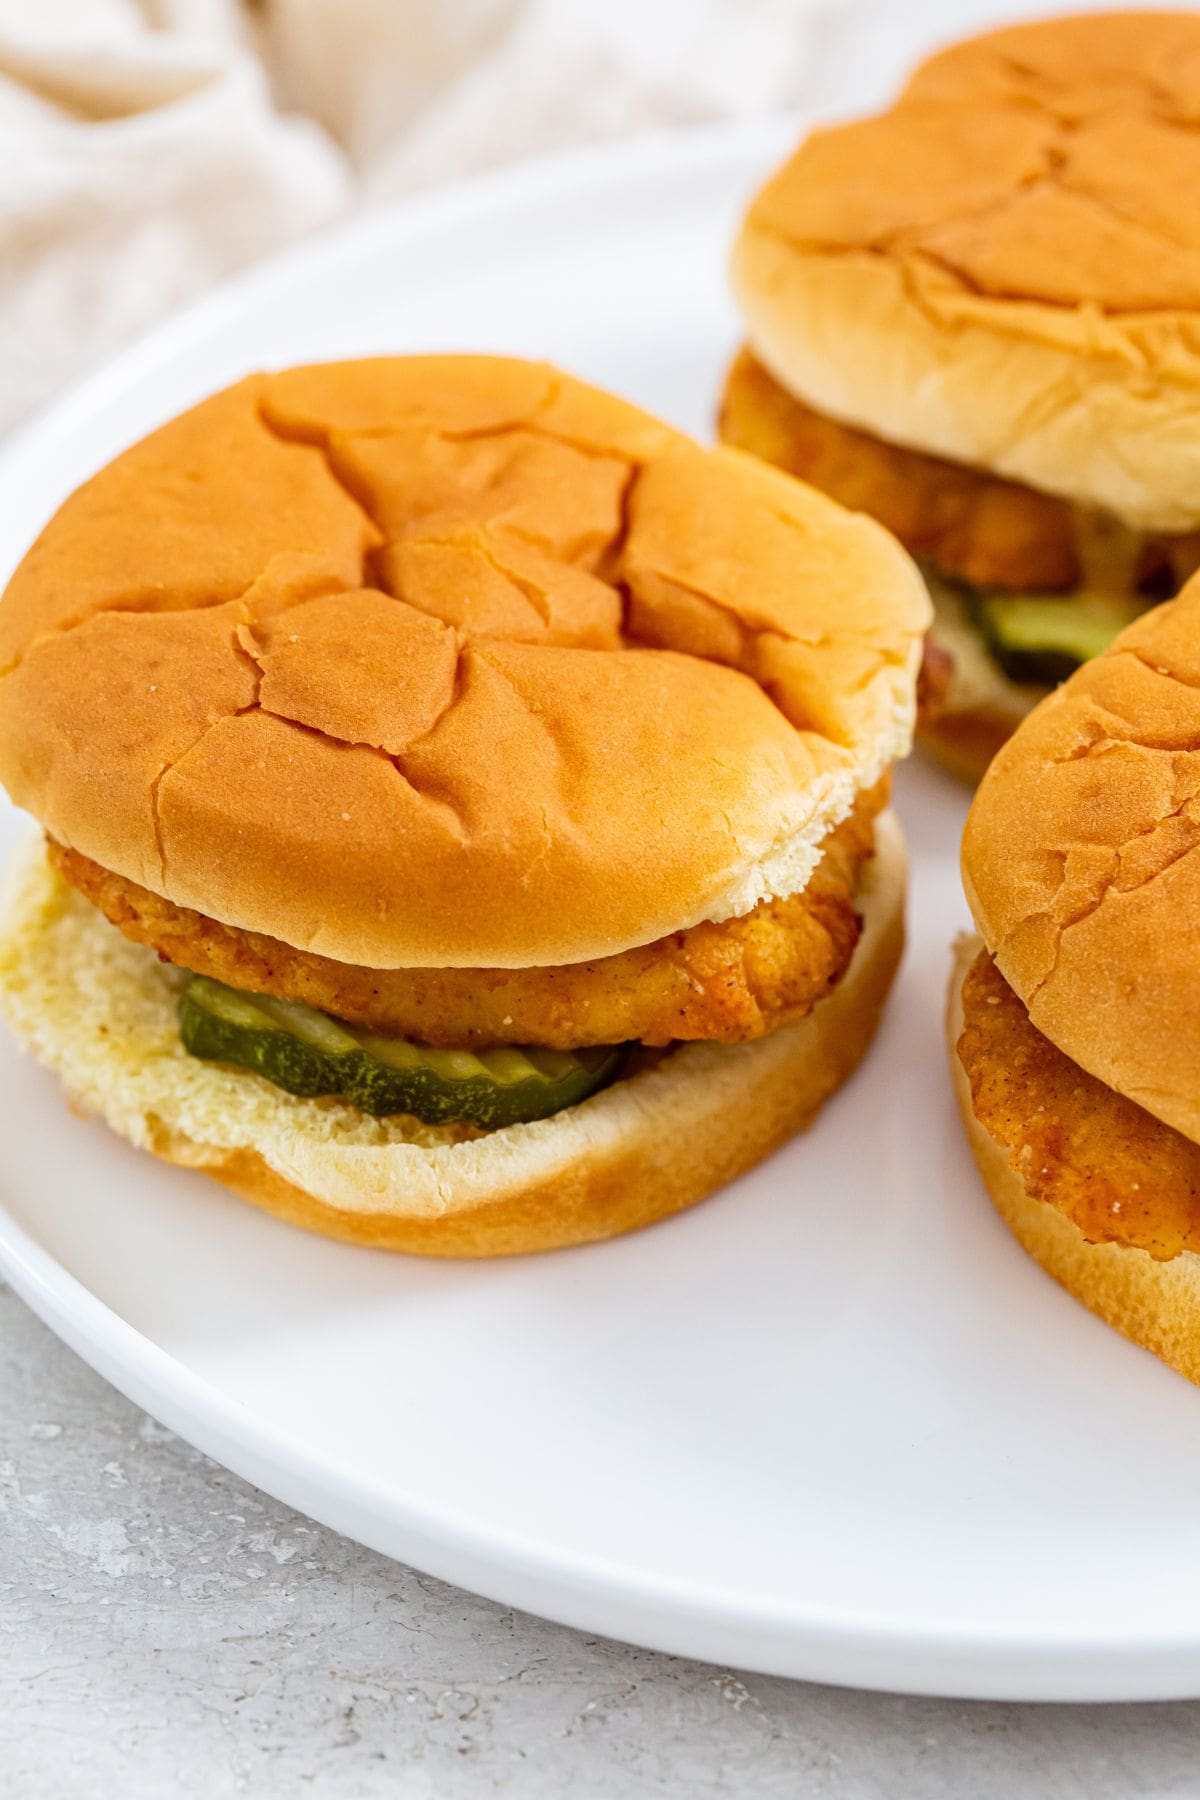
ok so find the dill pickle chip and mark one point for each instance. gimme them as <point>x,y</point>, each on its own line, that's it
<point>309,1054</point>
<point>1043,638</point>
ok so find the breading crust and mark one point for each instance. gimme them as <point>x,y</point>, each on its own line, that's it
<point>972,524</point>
<point>729,982</point>
<point>1117,1173</point>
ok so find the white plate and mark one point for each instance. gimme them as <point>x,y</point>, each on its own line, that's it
<point>830,1424</point>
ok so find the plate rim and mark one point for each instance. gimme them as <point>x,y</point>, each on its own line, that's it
<point>591,1594</point>
<point>588,1594</point>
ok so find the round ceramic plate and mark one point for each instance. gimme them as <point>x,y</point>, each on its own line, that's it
<point>832,1423</point>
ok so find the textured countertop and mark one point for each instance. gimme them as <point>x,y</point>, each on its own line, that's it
<point>166,1629</point>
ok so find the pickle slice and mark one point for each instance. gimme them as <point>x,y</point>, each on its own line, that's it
<point>1043,638</point>
<point>308,1053</point>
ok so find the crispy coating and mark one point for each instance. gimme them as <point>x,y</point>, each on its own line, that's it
<point>972,524</point>
<point>1119,1174</point>
<point>730,982</point>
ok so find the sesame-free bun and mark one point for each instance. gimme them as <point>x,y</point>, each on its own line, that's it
<point>1004,268</point>
<point>964,736</point>
<point>1153,1302</point>
<point>100,1012</point>
<point>1081,869</point>
<point>451,661</point>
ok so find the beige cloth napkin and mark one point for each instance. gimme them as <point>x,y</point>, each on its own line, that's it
<point>150,147</point>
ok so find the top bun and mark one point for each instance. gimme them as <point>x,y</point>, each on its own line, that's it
<point>1080,864</point>
<point>1004,268</point>
<point>451,661</point>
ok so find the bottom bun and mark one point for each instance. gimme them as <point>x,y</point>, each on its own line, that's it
<point>983,707</point>
<point>1154,1304</point>
<point>964,742</point>
<point>100,1012</point>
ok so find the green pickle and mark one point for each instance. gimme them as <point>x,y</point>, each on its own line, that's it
<point>1043,638</point>
<point>309,1054</point>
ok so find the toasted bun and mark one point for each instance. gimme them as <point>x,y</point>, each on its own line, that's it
<point>964,742</point>
<point>451,661</point>
<point>1080,866</point>
<point>100,1012</point>
<point>1004,268</point>
<point>1155,1304</point>
<point>982,707</point>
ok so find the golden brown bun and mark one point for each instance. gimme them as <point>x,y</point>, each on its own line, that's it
<point>1004,268</point>
<point>451,661</point>
<point>965,742</point>
<point>1079,863</point>
<point>1155,1304</point>
<point>100,1012</point>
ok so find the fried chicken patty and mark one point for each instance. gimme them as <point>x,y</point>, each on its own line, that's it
<point>730,982</point>
<point>1119,1174</point>
<point>971,524</point>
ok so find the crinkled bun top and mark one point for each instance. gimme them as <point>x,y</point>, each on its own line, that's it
<point>451,661</point>
<point>1004,268</point>
<point>1081,862</point>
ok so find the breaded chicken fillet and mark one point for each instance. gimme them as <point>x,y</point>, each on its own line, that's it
<point>731,982</point>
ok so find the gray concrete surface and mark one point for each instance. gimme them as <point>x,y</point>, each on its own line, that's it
<point>167,1630</point>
